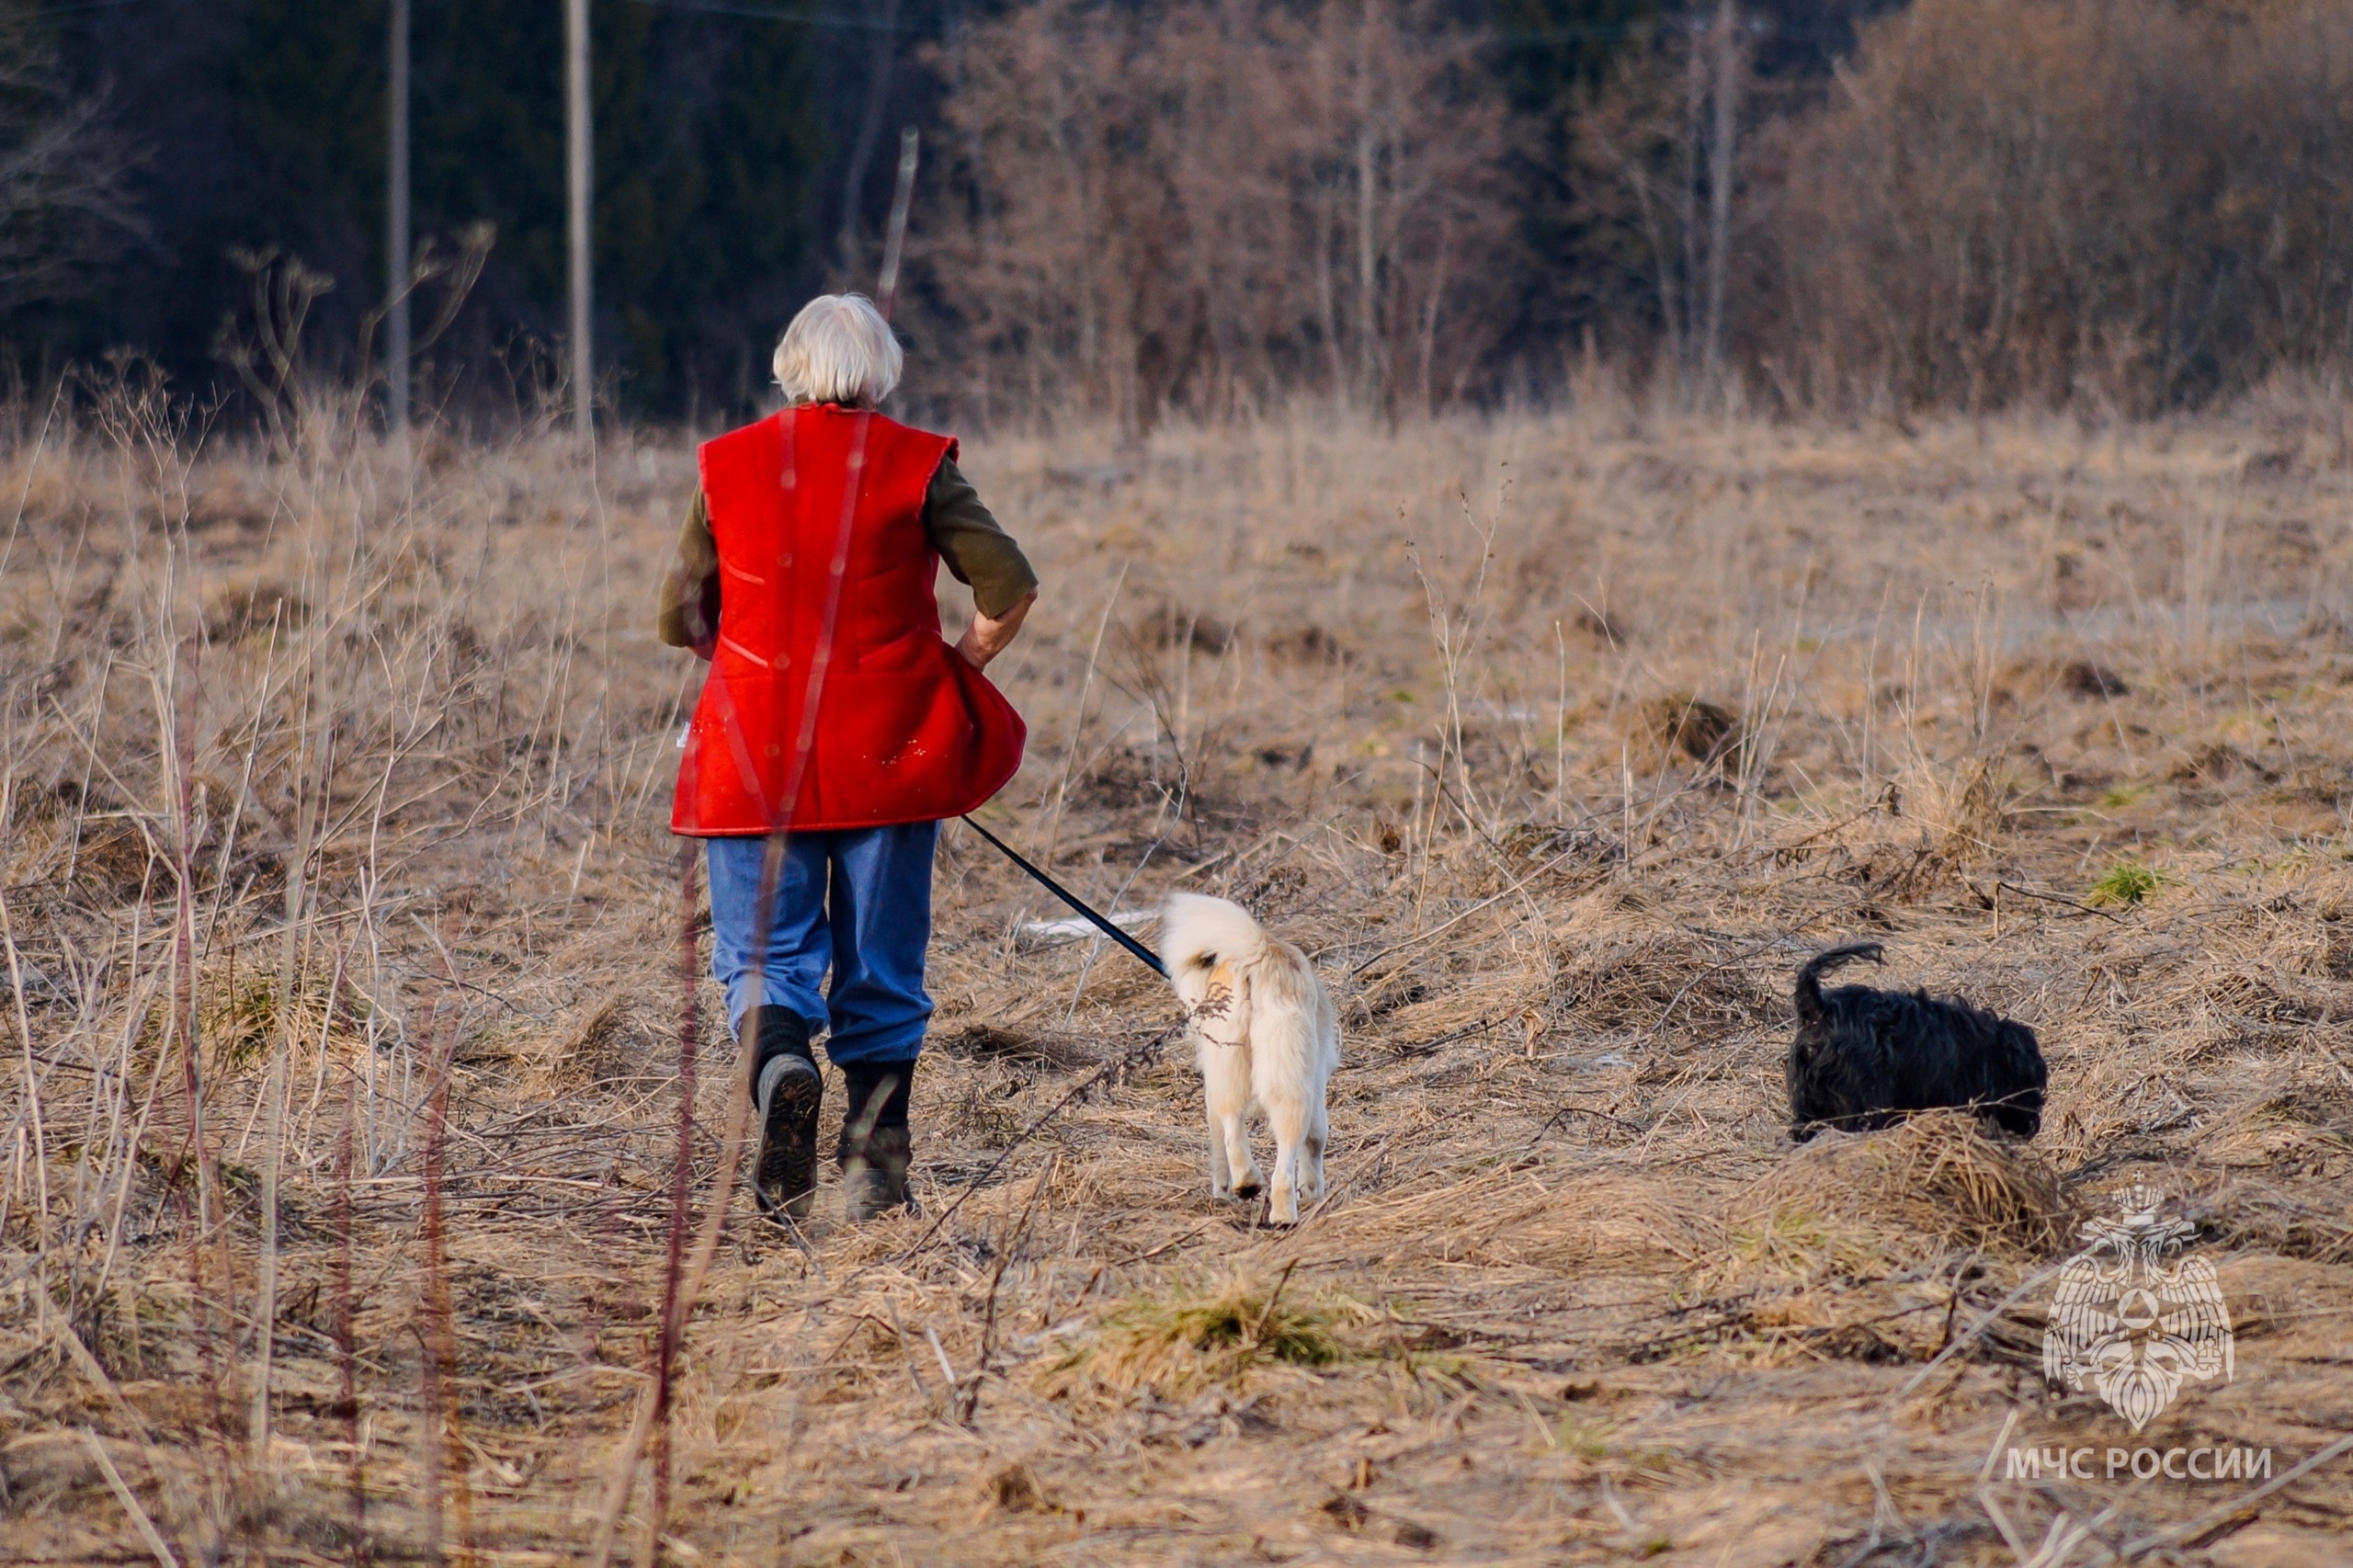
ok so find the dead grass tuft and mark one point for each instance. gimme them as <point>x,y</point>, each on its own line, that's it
<point>1307,644</point>
<point>1013,1489</point>
<point>1939,1179</point>
<point>1619,965</point>
<point>612,1039</point>
<point>252,609</point>
<point>2240,1213</point>
<point>1028,1048</point>
<point>1682,725</point>
<point>1170,625</point>
<point>1965,807</point>
<point>2089,678</point>
<point>115,857</point>
<point>1600,624</point>
<point>1217,1331</point>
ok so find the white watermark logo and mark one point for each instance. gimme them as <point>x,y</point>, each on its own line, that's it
<point>2131,1324</point>
<point>2063,1463</point>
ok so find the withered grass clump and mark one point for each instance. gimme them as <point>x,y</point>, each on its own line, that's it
<point>984,1042</point>
<point>1634,976</point>
<point>1681,726</point>
<point>1014,1489</point>
<point>2089,678</point>
<point>613,1041</point>
<point>2256,1215</point>
<point>1217,1333</point>
<point>1974,810</point>
<point>1939,1178</point>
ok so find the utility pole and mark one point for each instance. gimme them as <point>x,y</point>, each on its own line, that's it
<point>396,248</point>
<point>577,145</point>
<point>870,127</point>
<point>1719,180</point>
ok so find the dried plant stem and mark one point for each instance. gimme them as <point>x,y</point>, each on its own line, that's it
<point>32,1072</point>
<point>266,1273</point>
<point>665,1359</point>
<point>148,1533</point>
<point>142,993</point>
<point>274,1108</point>
<point>624,1467</point>
<point>1078,718</point>
<point>681,1285</point>
<point>447,1497</point>
<point>176,707</point>
<point>968,1404</point>
<point>346,1349</point>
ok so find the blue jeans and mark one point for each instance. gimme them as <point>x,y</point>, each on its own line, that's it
<point>857,901</point>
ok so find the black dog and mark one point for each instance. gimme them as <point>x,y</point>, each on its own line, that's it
<point>1866,1059</point>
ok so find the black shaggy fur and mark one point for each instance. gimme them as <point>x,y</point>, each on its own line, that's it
<point>1866,1059</point>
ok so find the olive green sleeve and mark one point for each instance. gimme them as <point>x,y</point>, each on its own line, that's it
<point>979,553</point>
<point>688,613</point>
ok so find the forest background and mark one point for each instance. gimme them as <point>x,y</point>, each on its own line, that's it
<point>1203,208</point>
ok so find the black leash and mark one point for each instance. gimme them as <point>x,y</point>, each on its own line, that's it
<point>1100,922</point>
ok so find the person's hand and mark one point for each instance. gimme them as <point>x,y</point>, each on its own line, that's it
<point>990,635</point>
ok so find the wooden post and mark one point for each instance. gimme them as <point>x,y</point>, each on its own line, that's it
<point>578,148</point>
<point>396,232</point>
<point>1719,181</point>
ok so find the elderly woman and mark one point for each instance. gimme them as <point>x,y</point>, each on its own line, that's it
<point>836,731</point>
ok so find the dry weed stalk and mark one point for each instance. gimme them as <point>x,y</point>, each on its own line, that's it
<point>671,1321</point>
<point>448,1498</point>
<point>347,1345</point>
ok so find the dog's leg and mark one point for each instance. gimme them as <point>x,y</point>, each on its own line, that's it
<point>1225,1083</point>
<point>1232,1173</point>
<point>1319,1132</point>
<point>1288,1121</point>
<point>1220,1175</point>
<point>1247,1182</point>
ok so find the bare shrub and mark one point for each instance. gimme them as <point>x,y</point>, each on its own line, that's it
<point>1657,159</point>
<point>65,204</point>
<point>1208,206</point>
<point>2125,203</point>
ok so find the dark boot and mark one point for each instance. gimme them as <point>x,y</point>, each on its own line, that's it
<point>875,1146</point>
<point>786,1091</point>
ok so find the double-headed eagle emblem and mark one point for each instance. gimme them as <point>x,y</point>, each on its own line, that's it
<point>2130,1324</point>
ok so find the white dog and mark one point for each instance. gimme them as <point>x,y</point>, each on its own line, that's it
<point>1268,1041</point>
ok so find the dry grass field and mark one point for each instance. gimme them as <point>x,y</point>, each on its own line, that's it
<point>333,787</point>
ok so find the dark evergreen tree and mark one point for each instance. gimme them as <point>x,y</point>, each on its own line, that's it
<point>1553,54</point>
<point>260,125</point>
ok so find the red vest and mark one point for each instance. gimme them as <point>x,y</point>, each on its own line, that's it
<point>904,729</point>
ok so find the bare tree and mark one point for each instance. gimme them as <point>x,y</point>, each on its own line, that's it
<point>1658,167</point>
<point>64,202</point>
<point>2131,203</point>
<point>1224,201</point>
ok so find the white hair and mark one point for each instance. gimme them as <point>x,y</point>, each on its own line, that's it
<point>838,349</point>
